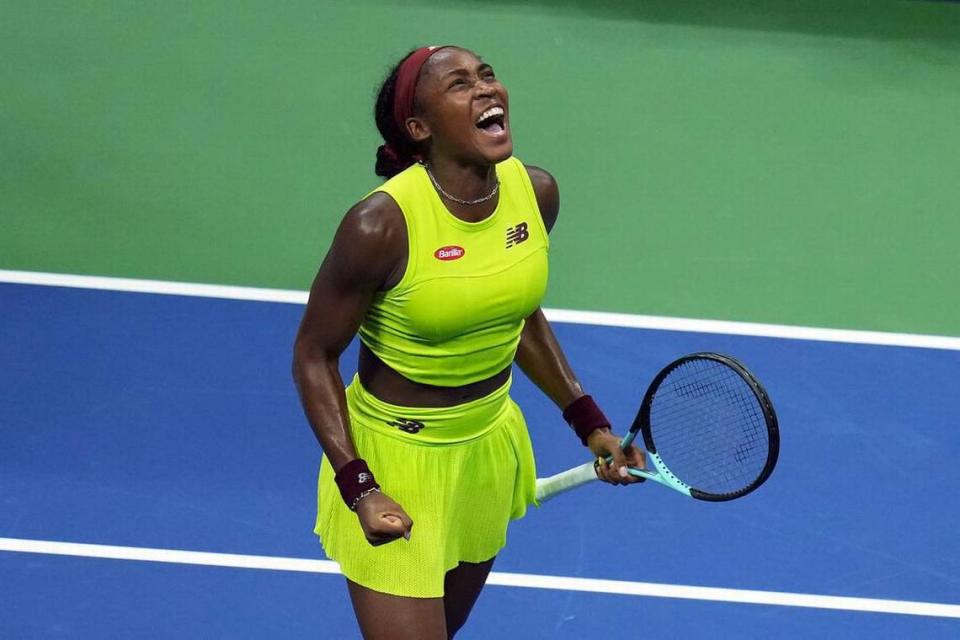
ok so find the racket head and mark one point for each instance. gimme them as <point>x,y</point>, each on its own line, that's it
<point>709,423</point>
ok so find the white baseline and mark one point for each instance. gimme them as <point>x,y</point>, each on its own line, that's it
<point>554,315</point>
<point>522,580</point>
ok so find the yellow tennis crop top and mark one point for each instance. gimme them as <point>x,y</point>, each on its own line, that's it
<point>456,315</point>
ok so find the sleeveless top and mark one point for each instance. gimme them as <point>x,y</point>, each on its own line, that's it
<point>456,315</point>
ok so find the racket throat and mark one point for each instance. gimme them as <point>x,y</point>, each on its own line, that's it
<point>661,474</point>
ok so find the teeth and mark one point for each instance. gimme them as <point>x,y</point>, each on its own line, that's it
<point>489,113</point>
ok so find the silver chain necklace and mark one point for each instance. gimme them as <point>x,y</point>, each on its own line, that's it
<point>446,195</point>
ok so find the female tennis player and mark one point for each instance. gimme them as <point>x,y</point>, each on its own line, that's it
<point>441,270</point>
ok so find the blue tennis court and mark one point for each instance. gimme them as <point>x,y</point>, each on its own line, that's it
<point>168,422</point>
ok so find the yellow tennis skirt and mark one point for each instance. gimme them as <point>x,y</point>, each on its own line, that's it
<point>461,473</point>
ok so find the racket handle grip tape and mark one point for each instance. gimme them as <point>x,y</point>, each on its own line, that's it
<point>564,481</point>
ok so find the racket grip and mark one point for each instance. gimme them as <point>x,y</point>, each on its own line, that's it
<point>564,481</point>
<point>624,443</point>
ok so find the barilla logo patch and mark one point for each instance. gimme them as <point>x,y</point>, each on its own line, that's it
<point>452,252</point>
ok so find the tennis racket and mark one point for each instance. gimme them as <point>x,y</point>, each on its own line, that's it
<point>708,427</point>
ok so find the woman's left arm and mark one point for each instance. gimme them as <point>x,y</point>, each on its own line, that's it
<point>540,357</point>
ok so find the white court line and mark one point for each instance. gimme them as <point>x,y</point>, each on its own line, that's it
<point>104,283</point>
<point>554,315</point>
<point>497,578</point>
<point>522,580</point>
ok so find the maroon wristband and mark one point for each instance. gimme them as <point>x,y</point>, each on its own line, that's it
<point>355,480</point>
<point>585,417</point>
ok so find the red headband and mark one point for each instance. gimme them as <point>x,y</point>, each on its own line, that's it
<point>406,85</point>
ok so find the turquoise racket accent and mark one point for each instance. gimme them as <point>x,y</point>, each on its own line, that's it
<point>661,475</point>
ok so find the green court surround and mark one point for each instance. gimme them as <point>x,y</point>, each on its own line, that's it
<point>761,162</point>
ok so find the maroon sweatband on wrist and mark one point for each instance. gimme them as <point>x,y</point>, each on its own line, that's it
<point>585,417</point>
<point>353,480</point>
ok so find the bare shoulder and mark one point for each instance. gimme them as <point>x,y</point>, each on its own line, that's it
<point>548,194</point>
<point>375,220</point>
<point>370,242</point>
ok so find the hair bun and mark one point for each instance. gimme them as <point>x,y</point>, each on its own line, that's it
<point>389,162</point>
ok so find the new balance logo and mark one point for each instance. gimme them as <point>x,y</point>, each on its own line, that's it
<point>407,426</point>
<point>517,234</point>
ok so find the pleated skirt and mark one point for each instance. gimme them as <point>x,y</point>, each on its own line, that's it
<point>461,473</point>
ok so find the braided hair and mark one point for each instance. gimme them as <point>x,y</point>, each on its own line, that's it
<point>399,151</point>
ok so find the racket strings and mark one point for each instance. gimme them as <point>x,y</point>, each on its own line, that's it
<point>721,438</point>
<point>709,428</point>
<point>721,471</point>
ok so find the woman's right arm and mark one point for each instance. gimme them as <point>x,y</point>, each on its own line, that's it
<point>367,252</point>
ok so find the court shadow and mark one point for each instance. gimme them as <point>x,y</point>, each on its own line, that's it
<point>928,20</point>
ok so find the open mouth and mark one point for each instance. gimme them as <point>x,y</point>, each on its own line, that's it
<point>492,121</point>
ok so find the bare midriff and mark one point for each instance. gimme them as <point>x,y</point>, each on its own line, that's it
<point>379,379</point>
